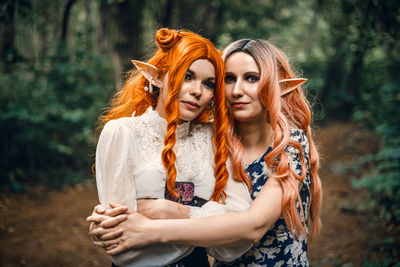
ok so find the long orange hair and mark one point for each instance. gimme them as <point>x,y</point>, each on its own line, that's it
<point>284,112</point>
<point>176,52</point>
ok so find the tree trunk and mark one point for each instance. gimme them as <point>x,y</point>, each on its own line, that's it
<point>312,27</point>
<point>7,31</point>
<point>166,17</point>
<point>128,19</point>
<point>64,23</point>
<point>363,44</point>
<point>334,73</point>
<point>162,12</point>
<point>354,78</point>
<point>103,37</point>
<point>212,19</point>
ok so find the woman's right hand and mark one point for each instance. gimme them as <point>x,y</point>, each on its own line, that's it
<point>133,232</point>
<point>113,216</point>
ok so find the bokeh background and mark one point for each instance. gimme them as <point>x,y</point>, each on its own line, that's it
<point>61,60</point>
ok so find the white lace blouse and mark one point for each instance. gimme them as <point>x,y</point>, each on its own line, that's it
<point>129,167</point>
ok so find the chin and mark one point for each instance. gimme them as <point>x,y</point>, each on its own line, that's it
<point>186,117</point>
<point>242,114</point>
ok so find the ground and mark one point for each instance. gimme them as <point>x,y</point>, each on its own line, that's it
<point>46,227</point>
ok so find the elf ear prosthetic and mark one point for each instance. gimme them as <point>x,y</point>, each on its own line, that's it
<point>288,85</point>
<point>150,72</point>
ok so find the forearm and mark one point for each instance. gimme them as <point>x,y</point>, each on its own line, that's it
<point>206,232</point>
<point>162,209</point>
<point>227,230</point>
<point>224,230</point>
<point>193,231</point>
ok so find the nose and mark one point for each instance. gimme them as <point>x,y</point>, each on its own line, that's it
<point>196,89</point>
<point>237,89</point>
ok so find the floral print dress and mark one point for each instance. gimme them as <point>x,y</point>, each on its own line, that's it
<point>278,247</point>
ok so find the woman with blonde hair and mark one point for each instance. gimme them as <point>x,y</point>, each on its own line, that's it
<point>271,137</point>
<point>157,142</point>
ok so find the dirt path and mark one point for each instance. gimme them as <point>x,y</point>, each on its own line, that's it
<point>344,236</point>
<point>48,228</point>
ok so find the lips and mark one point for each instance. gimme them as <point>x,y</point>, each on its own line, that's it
<point>191,105</point>
<point>239,104</point>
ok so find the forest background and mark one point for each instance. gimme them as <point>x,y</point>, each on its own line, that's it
<point>62,60</point>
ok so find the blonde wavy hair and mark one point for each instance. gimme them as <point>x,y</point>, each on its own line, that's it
<point>284,112</point>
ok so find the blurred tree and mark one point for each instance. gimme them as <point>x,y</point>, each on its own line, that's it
<point>50,97</point>
<point>8,53</point>
<point>354,31</point>
<point>65,19</point>
<point>128,19</point>
<point>204,18</point>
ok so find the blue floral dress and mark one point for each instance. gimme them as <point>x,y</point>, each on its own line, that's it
<point>278,247</point>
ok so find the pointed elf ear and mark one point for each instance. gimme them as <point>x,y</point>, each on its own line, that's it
<point>289,85</point>
<point>149,71</point>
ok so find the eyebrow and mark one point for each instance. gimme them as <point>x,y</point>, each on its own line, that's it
<point>246,73</point>
<point>253,73</point>
<point>194,74</point>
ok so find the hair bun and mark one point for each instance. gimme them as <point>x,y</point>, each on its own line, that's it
<point>166,38</point>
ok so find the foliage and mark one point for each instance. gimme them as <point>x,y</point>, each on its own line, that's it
<point>383,181</point>
<point>48,112</point>
<point>385,263</point>
<point>379,108</point>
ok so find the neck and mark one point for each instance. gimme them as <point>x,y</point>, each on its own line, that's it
<point>160,108</point>
<point>256,137</point>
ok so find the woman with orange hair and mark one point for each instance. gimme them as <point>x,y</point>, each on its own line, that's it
<point>271,137</point>
<point>157,142</point>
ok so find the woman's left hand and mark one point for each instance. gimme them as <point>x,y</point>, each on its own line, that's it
<point>131,233</point>
<point>114,215</point>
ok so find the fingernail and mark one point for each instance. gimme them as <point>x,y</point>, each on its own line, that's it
<point>94,243</point>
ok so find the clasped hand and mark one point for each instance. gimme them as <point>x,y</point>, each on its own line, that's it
<point>117,228</point>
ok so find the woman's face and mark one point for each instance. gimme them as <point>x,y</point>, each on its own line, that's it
<point>197,89</point>
<point>242,81</point>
